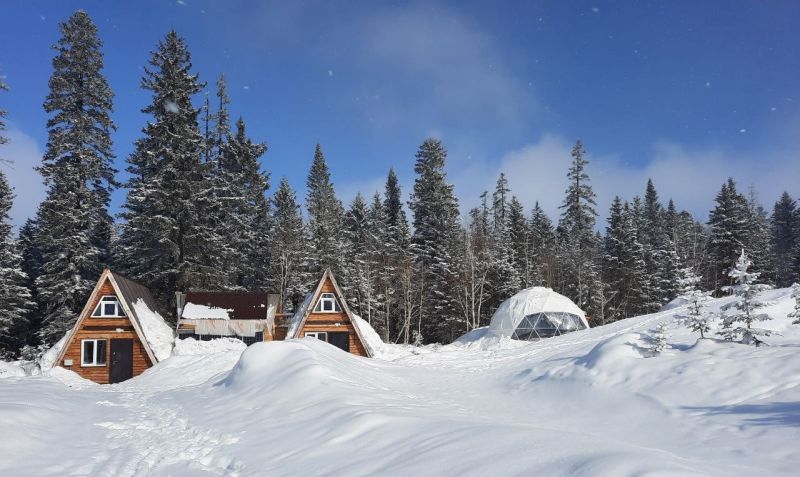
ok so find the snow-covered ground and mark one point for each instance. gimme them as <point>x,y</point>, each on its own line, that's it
<point>588,403</point>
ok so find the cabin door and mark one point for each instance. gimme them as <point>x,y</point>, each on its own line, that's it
<point>121,360</point>
<point>340,340</point>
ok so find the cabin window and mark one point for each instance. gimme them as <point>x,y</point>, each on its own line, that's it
<point>327,304</point>
<point>93,352</point>
<point>320,335</point>
<point>109,306</point>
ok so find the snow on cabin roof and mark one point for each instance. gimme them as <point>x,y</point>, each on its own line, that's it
<point>299,314</point>
<point>155,330</point>
<point>226,305</point>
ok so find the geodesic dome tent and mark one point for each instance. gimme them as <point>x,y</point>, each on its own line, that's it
<point>536,313</point>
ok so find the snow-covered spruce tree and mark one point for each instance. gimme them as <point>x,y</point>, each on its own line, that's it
<point>436,244</point>
<point>74,227</point>
<point>325,244</point>
<point>504,276</point>
<point>544,247</point>
<point>659,248</point>
<point>399,276</point>
<point>519,232</point>
<point>378,260</point>
<point>657,340</point>
<point>784,238</point>
<point>729,223</point>
<point>3,113</point>
<point>796,312</point>
<point>697,317</point>
<point>625,268</point>
<point>168,241</point>
<point>758,239</point>
<point>740,315</point>
<point>287,245</point>
<point>363,227</point>
<point>15,296</point>
<point>240,194</point>
<point>580,248</point>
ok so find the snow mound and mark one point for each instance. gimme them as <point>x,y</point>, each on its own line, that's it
<point>10,370</point>
<point>191,346</point>
<point>156,331</point>
<point>615,352</point>
<point>48,359</point>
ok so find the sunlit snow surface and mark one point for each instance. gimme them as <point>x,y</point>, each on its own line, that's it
<point>586,403</point>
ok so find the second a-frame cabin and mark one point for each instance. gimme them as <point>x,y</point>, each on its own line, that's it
<point>118,334</point>
<point>323,315</point>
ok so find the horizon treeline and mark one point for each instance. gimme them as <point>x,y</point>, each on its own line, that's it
<point>198,215</point>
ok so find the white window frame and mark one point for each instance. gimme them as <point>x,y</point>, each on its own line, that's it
<point>320,335</point>
<point>327,297</point>
<point>105,300</point>
<point>93,363</point>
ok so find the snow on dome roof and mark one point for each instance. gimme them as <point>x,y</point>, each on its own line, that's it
<point>530,302</point>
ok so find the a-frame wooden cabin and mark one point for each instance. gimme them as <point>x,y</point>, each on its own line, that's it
<point>109,342</point>
<point>324,315</point>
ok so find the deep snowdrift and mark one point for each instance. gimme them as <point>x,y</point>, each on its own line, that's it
<point>587,403</point>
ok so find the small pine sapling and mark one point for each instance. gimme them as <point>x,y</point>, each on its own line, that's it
<point>796,295</point>
<point>697,317</point>
<point>658,340</point>
<point>743,312</point>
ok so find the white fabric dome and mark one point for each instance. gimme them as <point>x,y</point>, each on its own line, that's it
<point>537,312</point>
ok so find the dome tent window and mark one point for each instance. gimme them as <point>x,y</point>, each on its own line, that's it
<point>536,313</point>
<point>546,325</point>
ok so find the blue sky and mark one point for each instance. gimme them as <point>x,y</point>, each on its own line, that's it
<point>686,92</point>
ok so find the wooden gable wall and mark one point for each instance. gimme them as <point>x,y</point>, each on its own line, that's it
<point>104,328</point>
<point>333,322</point>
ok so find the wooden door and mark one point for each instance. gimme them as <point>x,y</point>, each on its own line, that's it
<point>340,339</point>
<point>121,360</point>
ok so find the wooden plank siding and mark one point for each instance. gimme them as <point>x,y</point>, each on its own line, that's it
<point>333,322</point>
<point>104,328</point>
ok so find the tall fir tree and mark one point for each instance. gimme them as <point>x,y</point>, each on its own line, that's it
<point>398,276</point>
<point>579,243</point>
<point>358,270</point>
<point>758,238</point>
<point>3,114</point>
<point>325,245</point>
<point>729,226</point>
<point>74,226</point>
<point>245,217</point>
<point>625,265</point>
<point>544,249</point>
<point>519,232</point>
<point>169,241</point>
<point>436,243</point>
<point>15,297</point>
<point>784,239</point>
<point>287,245</point>
<point>504,276</point>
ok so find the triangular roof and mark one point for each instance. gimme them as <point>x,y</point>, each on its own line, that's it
<point>298,320</point>
<point>128,292</point>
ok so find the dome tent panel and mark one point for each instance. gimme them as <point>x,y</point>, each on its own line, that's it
<point>536,313</point>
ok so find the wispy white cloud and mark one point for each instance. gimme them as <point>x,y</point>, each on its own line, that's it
<point>692,177</point>
<point>25,154</point>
